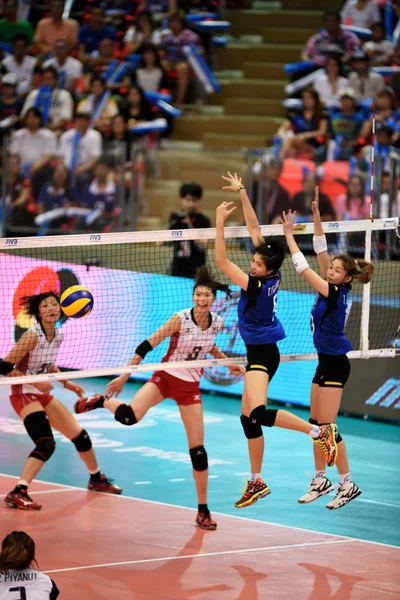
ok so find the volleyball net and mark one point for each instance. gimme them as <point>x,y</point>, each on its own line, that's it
<point>129,276</point>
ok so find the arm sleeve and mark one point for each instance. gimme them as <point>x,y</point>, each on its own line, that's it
<point>254,288</point>
<point>54,592</point>
<point>333,296</point>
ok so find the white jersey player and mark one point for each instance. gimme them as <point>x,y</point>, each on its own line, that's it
<point>192,334</point>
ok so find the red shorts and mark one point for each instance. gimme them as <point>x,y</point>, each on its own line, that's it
<point>20,401</point>
<point>183,392</point>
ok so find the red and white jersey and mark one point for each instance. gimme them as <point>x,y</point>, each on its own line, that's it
<point>191,343</point>
<point>39,360</point>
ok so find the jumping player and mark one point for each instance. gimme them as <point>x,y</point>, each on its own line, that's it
<point>36,352</point>
<point>192,335</point>
<point>328,318</point>
<point>261,330</point>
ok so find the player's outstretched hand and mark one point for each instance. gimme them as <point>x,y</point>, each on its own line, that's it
<point>115,386</point>
<point>224,210</point>
<point>315,202</point>
<point>287,221</point>
<point>233,180</point>
<point>74,387</point>
<point>237,370</point>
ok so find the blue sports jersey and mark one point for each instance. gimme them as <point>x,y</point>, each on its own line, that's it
<point>328,319</point>
<point>258,323</point>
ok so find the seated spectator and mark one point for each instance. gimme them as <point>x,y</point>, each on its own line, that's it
<point>302,201</point>
<point>382,149</point>
<point>99,105</point>
<point>149,75</point>
<point>118,147</point>
<point>272,199</point>
<point>20,64</point>
<point>365,82</point>
<point>54,28</point>
<point>69,69</point>
<point>92,34</point>
<point>16,560</point>
<point>360,13</point>
<point>389,205</point>
<point>332,35</point>
<point>80,148</point>
<point>345,125</point>
<point>145,32</point>
<point>10,26</point>
<point>57,193</point>
<point>101,59</point>
<point>189,254</point>
<point>137,109</point>
<point>354,204</point>
<point>379,49</point>
<point>172,42</point>
<point>330,84</point>
<point>35,146</point>
<point>386,113</point>
<point>305,130</point>
<point>57,111</point>
<point>18,195</point>
<point>101,196</point>
<point>10,103</point>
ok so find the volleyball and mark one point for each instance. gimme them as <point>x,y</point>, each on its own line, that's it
<point>76,302</point>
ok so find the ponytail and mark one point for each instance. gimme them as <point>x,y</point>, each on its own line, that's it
<point>17,552</point>
<point>203,277</point>
<point>360,270</point>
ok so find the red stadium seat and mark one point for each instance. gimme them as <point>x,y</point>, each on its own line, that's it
<point>292,174</point>
<point>334,179</point>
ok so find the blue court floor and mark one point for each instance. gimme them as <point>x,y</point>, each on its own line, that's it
<point>151,461</point>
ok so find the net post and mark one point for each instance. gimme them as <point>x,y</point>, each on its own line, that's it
<point>366,296</point>
<point>121,191</point>
<point>132,189</point>
<point>4,187</point>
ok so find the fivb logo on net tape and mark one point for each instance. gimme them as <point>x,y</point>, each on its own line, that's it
<point>11,242</point>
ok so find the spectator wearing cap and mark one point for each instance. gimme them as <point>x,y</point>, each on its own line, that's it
<point>10,103</point>
<point>303,200</point>
<point>101,107</point>
<point>20,63</point>
<point>54,28</point>
<point>332,35</point>
<point>273,198</point>
<point>79,149</point>
<point>10,26</point>
<point>57,110</point>
<point>145,32</point>
<point>68,68</point>
<point>379,49</point>
<point>331,83</point>
<point>94,32</point>
<point>345,124</point>
<point>365,82</point>
<point>360,13</point>
<point>386,115</point>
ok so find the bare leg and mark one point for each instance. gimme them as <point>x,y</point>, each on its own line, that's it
<point>328,408</point>
<point>256,445</point>
<point>148,396</point>
<point>183,74</point>
<point>319,457</point>
<point>192,417</point>
<point>32,465</point>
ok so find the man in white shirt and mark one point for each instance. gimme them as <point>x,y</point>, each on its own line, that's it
<point>365,82</point>
<point>61,103</point>
<point>69,69</point>
<point>20,64</point>
<point>79,148</point>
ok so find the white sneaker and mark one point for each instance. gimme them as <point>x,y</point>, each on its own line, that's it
<point>319,487</point>
<point>346,493</point>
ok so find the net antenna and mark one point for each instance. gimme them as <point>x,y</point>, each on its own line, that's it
<point>134,294</point>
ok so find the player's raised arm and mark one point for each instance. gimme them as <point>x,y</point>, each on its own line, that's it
<point>222,261</point>
<point>299,260</point>
<point>319,239</point>
<point>250,217</point>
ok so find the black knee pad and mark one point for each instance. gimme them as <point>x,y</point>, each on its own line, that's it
<point>82,443</point>
<point>263,416</point>
<point>125,415</point>
<point>313,421</point>
<point>38,428</point>
<point>251,430</point>
<point>199,458</point>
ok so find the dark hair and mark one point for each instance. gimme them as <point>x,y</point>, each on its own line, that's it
<point>36,112</point>
<point>17,551</point>
<point>379,24</point>
<point>361,270</point>
<point>153,49</point>
<point>97,5</point>
<point>272,252</point>
<point>83,115</point>
<point>388,91</point>
<point>192,188</point>
<point>51,70</point>
<point>333,13</point>
<point>31,303</point>
<point>18,37</point>
<point>148,14</point>
<point>204,277</point>
<point>361,182</point>
<point>338,63</point>
<point>178,16</point>
<point>95,78</point>
<point>318,105</point>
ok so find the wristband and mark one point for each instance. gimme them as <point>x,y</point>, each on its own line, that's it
<point>240,187</point>
<point>300,262</point>
<point>144,348</point>
<point>319,244</point>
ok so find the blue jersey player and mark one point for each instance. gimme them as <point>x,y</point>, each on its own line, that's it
<point>261,330</point>
<point>328,319</point>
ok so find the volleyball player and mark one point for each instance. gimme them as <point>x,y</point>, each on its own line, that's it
<point>261,330</point>
<point>17,577</point>
<point>192,333</point>
<point>328,319</point>
<point>36,352</point>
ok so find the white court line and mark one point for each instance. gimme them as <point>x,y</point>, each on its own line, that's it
<point>142,482</point>
<point>202,555</point>
<point>177,479</point>
<point>380,590</point>
<point>157,503</point>
<point>49,492</point>
<point>378,502</point>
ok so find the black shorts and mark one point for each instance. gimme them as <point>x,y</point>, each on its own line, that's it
<point>332,371</point>
<point>263,357</point>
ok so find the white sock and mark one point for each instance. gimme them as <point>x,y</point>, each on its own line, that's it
<point>320,474</point>
<point>315,432</point>
<point>23,482</point>
<point>255,476</point>
<point>344,478</point>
